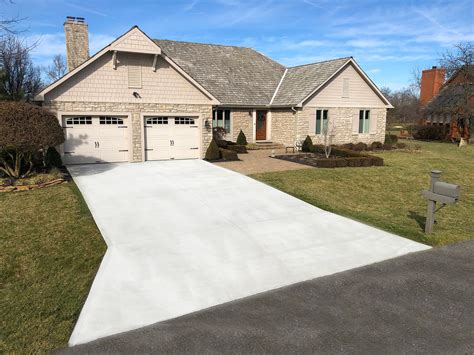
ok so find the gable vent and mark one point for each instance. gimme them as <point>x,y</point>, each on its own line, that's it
<point>134,74</point>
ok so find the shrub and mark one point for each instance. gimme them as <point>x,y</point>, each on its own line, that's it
<point>376,145</point>
<point>241,139</point>
<point>387,146</point>
<point>401,145</point>
<point>348,146</point>
<point>431,132</point>
<point>221,143</point>
<point>359,147</point>
<point>52,158</point>
<point>251,146</point>
<point>376,161</point>
<point>228,154</point>
<point>241,149</point>
<point>307,145</point>
<point>25,129</point>
<point>212,152</point>
<point>218,133</point>
<point>391,139</point>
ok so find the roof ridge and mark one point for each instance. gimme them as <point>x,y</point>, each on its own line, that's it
<point>324,61</point>
<point>205,44</point>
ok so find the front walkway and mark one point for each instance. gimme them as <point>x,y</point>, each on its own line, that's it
<point>187,235</point>
<point>259,161</point>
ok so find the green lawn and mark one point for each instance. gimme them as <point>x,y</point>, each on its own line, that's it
<point>50,252</point>
<point>389,197</point>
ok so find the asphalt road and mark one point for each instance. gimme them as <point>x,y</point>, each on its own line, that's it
<point>418,303</point>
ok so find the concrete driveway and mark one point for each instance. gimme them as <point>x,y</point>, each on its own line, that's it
<point>187,235</point>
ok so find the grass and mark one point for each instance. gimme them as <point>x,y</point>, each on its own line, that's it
<point>51,251</point>
<point>389,197</point>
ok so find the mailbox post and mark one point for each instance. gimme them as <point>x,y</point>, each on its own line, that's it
<point>438,192</point>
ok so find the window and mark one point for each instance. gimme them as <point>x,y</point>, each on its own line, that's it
<point>79,120</point>
<point>321,121</point>
<point>345,87</point>
<point>183,120</point>
<point>364,121</point>
<point>221,118</point>
<point>110,120</point>
<point>157,120</point>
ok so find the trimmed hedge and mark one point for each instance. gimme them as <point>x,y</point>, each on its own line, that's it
<point>228,154</point>
<point>213,152</point>
<point>241,139</point>
<point>307,145</point>
<point>391,139</point>
<point>52,158</point>
<point>240,149</point>
<point>341,157</point>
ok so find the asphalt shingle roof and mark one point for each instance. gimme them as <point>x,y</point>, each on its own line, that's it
<point>234,75</point>
<point>452,98</point>
<point>300,81</point>
<point>243,76</point>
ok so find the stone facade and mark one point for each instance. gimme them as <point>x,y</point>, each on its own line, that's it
<point>77,42</point>
<point>341,125</point>
<point>136,111</point>
<point>287,126</point>
<point>241,120</point>
<point>283,126</point>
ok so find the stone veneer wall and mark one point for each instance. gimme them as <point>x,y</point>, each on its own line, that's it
<point>136,110</point>
<point>241,120</point>
<point>283,128</point>
<point>342,118</point>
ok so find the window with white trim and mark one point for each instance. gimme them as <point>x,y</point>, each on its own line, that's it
<point>183,120</point>
<point>221,118</point>
<point>79,120</point>
<point>157,120</point>
<point>364,121</point>
<point>110,120</point>
<point>322,119</point>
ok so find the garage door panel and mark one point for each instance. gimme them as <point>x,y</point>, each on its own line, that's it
<point>171,138</point>
<point>92,139</point>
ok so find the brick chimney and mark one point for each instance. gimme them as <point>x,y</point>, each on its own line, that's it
<point>431,82</point>
<point>77,41</point>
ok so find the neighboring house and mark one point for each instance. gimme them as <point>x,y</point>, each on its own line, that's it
<point>445,102</point>
<point>142,99</point>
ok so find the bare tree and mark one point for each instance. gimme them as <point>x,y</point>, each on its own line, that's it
<point>8,25</point>
<point>459,66</point>
<point>415,81</point>
<point>460,60</point>
<point>328,133</point>
<point>406,106</point>
<point>57,69</point>
<point>19,78</point>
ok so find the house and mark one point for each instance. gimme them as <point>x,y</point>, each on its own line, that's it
<point>445,102</point>
<point>140,99</point>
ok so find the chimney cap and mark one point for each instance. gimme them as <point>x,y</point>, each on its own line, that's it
<point>434,67</point>
<point>75,19</point>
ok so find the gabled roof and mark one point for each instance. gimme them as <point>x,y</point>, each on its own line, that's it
<point>230,75</point>
<point>234,75</point>
<point>116,45</point>
<point>300,81</point>
<point>452,98</point>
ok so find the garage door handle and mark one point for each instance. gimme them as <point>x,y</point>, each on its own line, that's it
<point>193,126</point>
<point>122,127</point>
<point>123,150</point>
<point>97,144</point>
<point>193,148</point>
<point>171,143</point>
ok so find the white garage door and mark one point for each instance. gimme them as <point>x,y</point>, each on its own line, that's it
<point>171,138</point>
<point>95,139</point>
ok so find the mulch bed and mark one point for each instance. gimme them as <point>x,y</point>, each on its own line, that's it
<point>25,187</point>
<point>319,160</point>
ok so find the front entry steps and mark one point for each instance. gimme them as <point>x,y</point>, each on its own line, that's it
<point>269,145</point>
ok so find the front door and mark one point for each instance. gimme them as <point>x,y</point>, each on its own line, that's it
<point>261,130</point>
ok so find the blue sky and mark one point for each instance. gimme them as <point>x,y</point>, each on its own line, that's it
<point>387,38</point>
